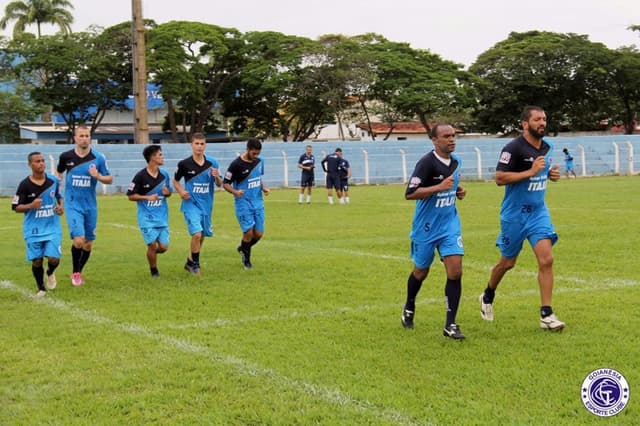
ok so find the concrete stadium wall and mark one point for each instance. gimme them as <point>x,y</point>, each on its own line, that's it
<point>371,162</point>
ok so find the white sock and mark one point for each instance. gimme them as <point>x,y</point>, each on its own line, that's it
<point>346,200</point>
<point>308,199</point>
<point>330,200</point>
<point>300,198</point>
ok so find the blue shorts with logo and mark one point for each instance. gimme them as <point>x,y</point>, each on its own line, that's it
<point>251,218</point>
<point>47,248</point>
<point>198,222</point>
<point>537,227</point>
<point>423,253</point>
<point>82,223</point>
<point>153,234</point>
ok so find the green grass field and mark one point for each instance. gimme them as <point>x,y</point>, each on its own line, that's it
<point>312,334</point>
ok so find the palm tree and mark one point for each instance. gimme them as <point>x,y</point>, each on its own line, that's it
<point>37,12</point>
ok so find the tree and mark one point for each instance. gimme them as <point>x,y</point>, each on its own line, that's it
<point>81,75</point>
<point>37,12</point>
<point>420,84</point>
<point>195,64</point>
<point>564,73</point>
<point>625,76</point>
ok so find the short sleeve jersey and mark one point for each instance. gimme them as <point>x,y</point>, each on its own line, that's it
<point>79,185</point>
<point>330,163</point>
<point>151,213</point>
<point>435,216</point>
<point>43,223</point>
<point>306,161</point>
<point>248,177</point>
<point>199,183</point>
<point>525,196</point>
<point>343,168</point>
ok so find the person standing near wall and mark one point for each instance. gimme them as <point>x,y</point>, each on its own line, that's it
<point>306,162</point>
<point>330,166</point>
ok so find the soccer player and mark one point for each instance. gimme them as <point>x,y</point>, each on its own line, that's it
<point>244,180</point>
<point>524,167</point>
<point>306,162</point>
<point>150,188</point>
<point>434,185</point>
<point>568,163</point>
<point>330,166</point>
<point>200,172</point>
<point>344,170</point>
<point>85,167</point>
<point>38,197</point>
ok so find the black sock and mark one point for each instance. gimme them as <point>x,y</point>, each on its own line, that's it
<point>51,267</point>
<point>84,258</point>
<point>254,241</point>
<point>413,287</point>
<point>76,255</point>
<point>38,274</point>
<point>245,247</point>
<point>195,257</point>
<point>154,271</point>
<point>489,294</point>
<point>452,291</point>
<point>545,311</point>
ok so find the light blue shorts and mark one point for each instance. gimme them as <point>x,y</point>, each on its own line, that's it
<point>251,218</point>
<point>48,248</point>
<point>423,253</point>
<point>198,222</point>
<point>153,234</point>
<point>82,223</point>
<point>513,234</point>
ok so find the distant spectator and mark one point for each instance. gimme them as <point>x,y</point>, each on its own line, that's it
<point>568,163</point>
<point>330,165</point>
<point>344,171</point>
<point>306,162</point>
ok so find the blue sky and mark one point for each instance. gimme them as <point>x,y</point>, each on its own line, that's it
<point>456,30</point>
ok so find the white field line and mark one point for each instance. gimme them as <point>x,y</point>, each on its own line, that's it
<point>584,285</point>
<point>326,394</point>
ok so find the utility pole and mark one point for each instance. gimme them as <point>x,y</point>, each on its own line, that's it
<point>140,124</point>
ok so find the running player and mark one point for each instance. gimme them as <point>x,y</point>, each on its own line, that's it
<point>434,185</point>
<point>150,188</point>
<point>244,180</point>
<point>38,197</point>
<point>200,172</point>
<point>85,167</point>
<point>523,169</point>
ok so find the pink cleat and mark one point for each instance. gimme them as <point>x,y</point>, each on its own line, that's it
<point>76,279</point>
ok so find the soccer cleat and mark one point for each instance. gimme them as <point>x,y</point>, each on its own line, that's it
<point>486,309</point>
<point>246,260</point>
<point>41,294</point>
<point>192,267</point>
<point>453,331</point>
<point>155,275</point>
<point>407,318</point>
<point>51,281</point>
<point>76,279</point>
<point>552,323</point>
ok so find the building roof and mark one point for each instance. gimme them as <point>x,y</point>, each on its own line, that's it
<point>405,127</point>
